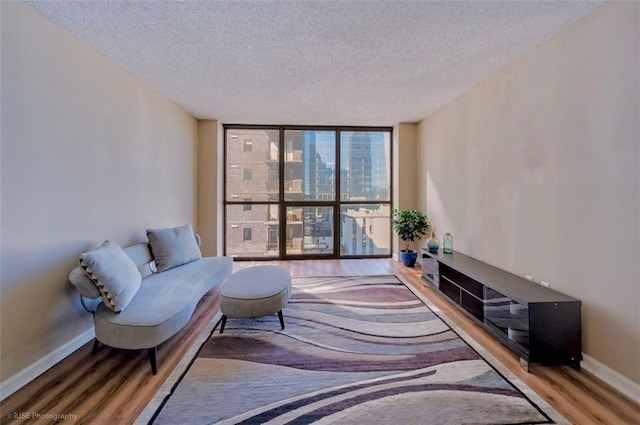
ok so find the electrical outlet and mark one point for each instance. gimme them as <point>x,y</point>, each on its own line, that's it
<point>526,276</point>
<point>545,284</point>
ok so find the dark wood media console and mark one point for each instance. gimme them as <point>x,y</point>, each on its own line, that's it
<point>537,323</point>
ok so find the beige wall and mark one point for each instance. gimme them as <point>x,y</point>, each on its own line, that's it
<point>88,153</point>
<point>404,173</point>
<point>536,171</point>
<point>208,185</point>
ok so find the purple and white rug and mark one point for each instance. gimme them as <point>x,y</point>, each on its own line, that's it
<point>356,350</point>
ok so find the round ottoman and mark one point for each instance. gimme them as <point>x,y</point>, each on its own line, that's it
<point>255,292</point>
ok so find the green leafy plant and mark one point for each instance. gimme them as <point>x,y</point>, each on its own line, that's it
<point>409,225</point>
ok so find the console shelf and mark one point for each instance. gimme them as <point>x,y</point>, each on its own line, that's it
<point>537,323</point>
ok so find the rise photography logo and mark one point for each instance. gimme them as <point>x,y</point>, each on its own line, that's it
<point>54,417</point>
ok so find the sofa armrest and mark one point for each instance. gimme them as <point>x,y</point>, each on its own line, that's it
<point>83,284</point>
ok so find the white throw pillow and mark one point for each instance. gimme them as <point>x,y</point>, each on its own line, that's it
<point>173,246</point>
<point>115,274</point>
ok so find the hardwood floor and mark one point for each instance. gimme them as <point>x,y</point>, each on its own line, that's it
<point>113,386</point>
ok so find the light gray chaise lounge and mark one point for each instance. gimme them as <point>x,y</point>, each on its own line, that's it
<point>162,305</point>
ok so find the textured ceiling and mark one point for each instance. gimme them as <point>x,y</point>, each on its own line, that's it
<point>321,63</point>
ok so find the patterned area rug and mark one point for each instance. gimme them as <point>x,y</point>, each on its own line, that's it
<point>356,350</point>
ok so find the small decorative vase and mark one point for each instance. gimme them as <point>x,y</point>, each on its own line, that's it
<point>433,244</point>
<point>447,243</point>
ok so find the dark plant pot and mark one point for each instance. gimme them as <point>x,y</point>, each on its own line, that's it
<point>408,258</point>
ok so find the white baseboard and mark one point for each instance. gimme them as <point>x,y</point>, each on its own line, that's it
<point>31,372</point>
<point>621,383</point>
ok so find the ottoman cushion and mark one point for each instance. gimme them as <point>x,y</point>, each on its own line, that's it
<point>255,292</point>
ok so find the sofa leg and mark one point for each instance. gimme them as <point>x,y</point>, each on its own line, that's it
<point>96,344</point>
<point>222,323</point>
<point>281,319</point>
<point>152,358</point>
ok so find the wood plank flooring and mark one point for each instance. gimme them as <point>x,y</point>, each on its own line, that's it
<point>113,386</point>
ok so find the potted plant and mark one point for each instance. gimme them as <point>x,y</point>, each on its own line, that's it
<point>409,225</point>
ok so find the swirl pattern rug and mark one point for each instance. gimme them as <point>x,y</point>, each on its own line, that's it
<point>356,350</point>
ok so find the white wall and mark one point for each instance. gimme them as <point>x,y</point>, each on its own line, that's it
<point>88,153</point>
<point>536,171</point>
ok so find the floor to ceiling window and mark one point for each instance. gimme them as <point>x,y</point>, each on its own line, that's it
<point>293,192</point>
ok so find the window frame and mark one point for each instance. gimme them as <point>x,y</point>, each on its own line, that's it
<point>283,204</point>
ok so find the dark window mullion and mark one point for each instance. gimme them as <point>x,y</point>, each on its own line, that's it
<point>337,222</point>
<point>282,209</point>
<point>224,192</point>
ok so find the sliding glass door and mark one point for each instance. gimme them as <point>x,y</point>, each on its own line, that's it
<point>294,192</point>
